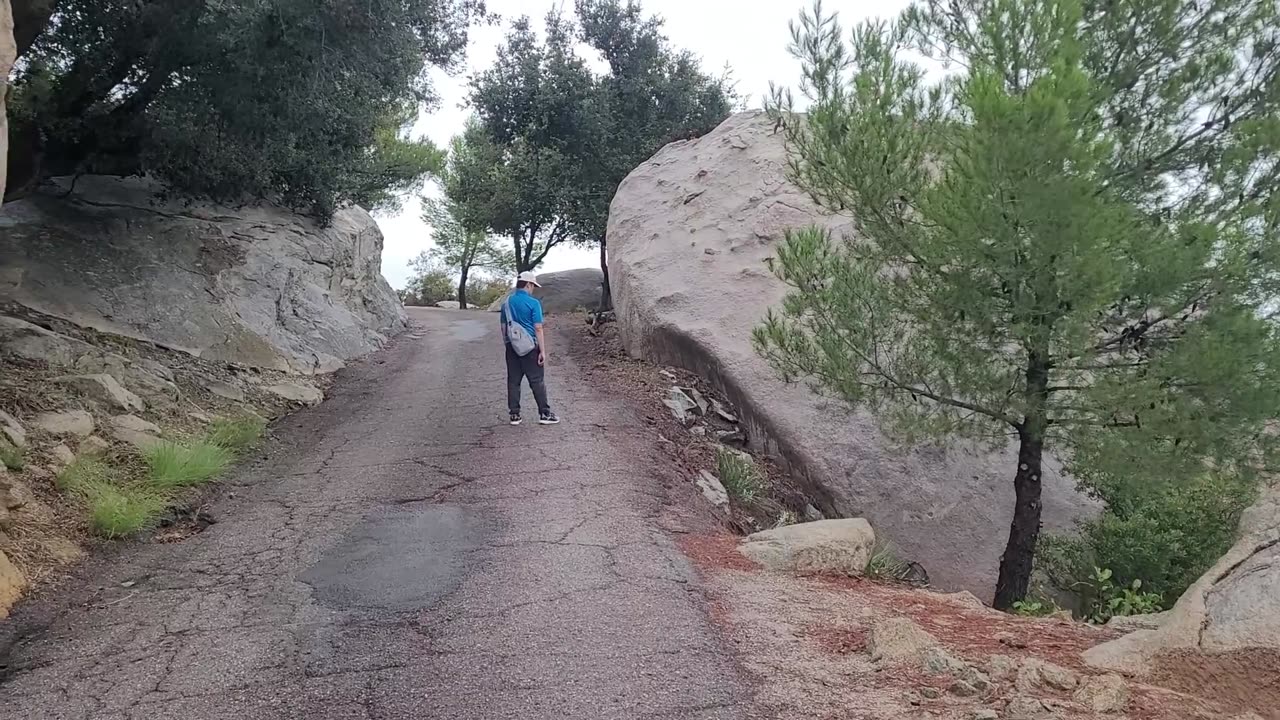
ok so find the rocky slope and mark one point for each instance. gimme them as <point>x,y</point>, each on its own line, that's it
<point>689,233</point>
<point>565,291</point>
<point>257,286</point>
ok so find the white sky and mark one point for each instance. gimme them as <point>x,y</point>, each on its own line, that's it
<point>751,37</point>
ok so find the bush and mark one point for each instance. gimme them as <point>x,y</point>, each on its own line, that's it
<point>236,434</point>
<point>430,287</point>
<point>1164,538</point>
<point>738,474</point>
<point>483,293</point>
<point>176,466</point>
<point>11,457</point>
<point>884,563</point>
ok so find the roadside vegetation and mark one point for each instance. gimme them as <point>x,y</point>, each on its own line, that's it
<point>1067,247</point>
<point>124,497</point>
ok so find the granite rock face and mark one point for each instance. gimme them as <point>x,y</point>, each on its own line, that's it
<point>689,232</point>
<point>256,285</point>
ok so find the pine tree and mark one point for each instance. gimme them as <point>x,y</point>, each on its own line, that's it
<point>1069,242</point>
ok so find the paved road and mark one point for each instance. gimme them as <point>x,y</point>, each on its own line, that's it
<point>404,554</point>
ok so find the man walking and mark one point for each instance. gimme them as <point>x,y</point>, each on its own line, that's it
<point>521,320</point>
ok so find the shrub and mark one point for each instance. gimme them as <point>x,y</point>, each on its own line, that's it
<point>1107,600</point>
<point>482,293</point>
<point>1164,537</point>
<point>236,434</point>
<point>11,457</point>
<point>884,563</point>
<point>175,465</point>
<point>738,474</point>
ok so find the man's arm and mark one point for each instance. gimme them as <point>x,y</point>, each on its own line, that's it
<point>540,333</point>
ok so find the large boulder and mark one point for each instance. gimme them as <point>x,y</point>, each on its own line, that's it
<point>565,291</point>
<point>843,546</point>
<point>1234,608</point>
<point>689,233</point>
<point>254,285</point>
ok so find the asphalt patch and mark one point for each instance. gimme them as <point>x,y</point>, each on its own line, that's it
<point>400,560</point>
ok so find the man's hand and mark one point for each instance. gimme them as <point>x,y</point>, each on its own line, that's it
<point>542,358</point>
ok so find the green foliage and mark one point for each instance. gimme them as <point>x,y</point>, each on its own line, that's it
<point>1033,608</point>
<point>298,99</point>
<point>178,465</point>
<point>885,564</point>
<point>738,473</point>
<point>11,457</point>
<point>1071,241</point>
<point>429,283</point>
<point>236,434</point>
<point>1107,600</point>
<point>1166,536</point>
<point>560,139</point>
<point>483,292</point>
<point>116,508</point>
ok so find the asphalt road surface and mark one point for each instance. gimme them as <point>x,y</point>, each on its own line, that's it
<point>404,553</point>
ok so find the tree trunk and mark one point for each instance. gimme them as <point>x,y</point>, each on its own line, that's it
<point>462,288</point>
<point>606,292</point>
<point>8,54</point>
<point>1024,531</point>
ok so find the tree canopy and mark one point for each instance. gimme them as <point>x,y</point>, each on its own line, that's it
<point>1070,241</point>
<point>563,137</point>
<point>302,100</point>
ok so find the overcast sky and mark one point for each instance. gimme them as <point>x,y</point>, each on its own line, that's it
<point>750,37</point>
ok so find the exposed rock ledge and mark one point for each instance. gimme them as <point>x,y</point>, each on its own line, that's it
<point>257,286</point>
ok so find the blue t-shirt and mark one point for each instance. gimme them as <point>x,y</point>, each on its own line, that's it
<point>526,309</point>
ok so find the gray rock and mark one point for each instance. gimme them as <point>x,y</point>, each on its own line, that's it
<point>565,291</point>
<point>723,412</point>
<point>937,661</point>
<point>842,546</point>
<point>948,508</point>
<point>157,368</point>
<point>1026,708</point>
<point>448,305</point>
<point>297,392</point>
<point>929,692</point>
<point>257,285</point>
<point>62,454</point>
<point>682,406</point>
<point>898,639</point>
<point>132,429</point>
<point>1103,693</point>
<point>104,389</point>
<point>712,489</point>
<point>70,422</point>
<point>732,437</point>
<point>136,378</point>
<point>986,714</point>
<point>1035,675</point>
<point>813,514</point>
<point>961,688</point>
<point>94,446</point>
<point>32,342</point>
<point>1130,623</point>
<point>225,390</point>
<point>12,429</point>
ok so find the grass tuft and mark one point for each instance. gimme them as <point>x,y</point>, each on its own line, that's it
<point>738,474</point>
<point>236,434</point>
<point>11,457</point>
<point>115,510</point>
<point>884,563</point>
<point>176,466</point>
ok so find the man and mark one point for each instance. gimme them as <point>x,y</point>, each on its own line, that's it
<point>527,312</point>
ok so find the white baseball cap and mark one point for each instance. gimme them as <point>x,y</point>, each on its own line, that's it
<point>530,277</point>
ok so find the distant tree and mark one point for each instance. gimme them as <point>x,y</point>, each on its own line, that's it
<point>429,284</point>
<point>652,95</point>
<point>537,108</point>
<point>458,248</point>
<point>302,100</point>
<point>1073,242</point>
<point>485,290</point>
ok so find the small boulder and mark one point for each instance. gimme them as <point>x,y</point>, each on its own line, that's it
<point>1026,708</point>
<point>225,390</point>
<point>12,584</point>
<point>712,489</point>
<point>965,599</point>
<point>682,406</point>
<point>929,692</point>
<point>1133,623</point>
<point>134,430</point>
<point>62,454</point>
<point>32,342</point>
<point>1037,674</point>
<point>723,412</point>
<point>961,688</point>
<point>94,446</point>
<point>986,714</point>
<point>842,546</point>
<point>1103,693</point>
<point>448,305</point>
<point>105,389</point>
<point>898,639</point>
<point>936,661</point>
<point>297,392</point>
<point>70,422</point>
<point>12,429</point>
<point>157,368</point>
<point>1002,667</point>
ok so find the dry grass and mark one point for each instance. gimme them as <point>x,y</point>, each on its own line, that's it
<point>173,466</point>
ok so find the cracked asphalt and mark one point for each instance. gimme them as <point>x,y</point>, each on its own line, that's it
<point>403,553</point>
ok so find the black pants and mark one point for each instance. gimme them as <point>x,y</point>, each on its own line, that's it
<point>519,368</point>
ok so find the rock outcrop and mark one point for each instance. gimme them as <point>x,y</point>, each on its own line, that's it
<point>565,291</point>
<point>256,286</point>
<point>689,233</point>
<point>1232,608</point>
<point>842,546</point>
